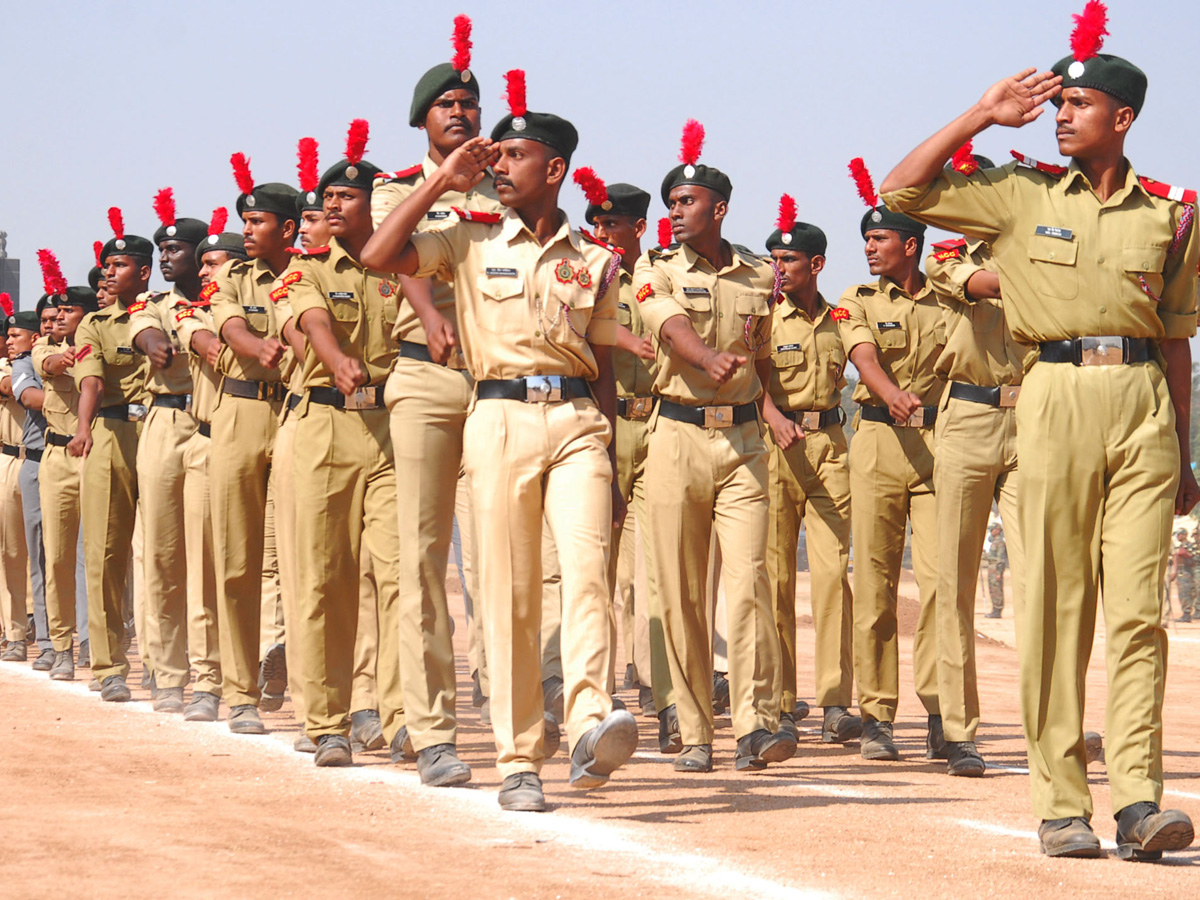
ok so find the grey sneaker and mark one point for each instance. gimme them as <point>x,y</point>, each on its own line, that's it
<point>522,792</point>
<point>439,766</point>
<point>114,690</point>
<point>44,662</point>
<point>272,678</point>
<point>603,750</point>
<point>64,666</point>
<point>245,720</point>
<point>552,695</point>
<point>366,730</point>
<point>203,707</point>
<point>169,700</point>
<point>85,655</point>
<point>15,652</point>
<point>333,750</point>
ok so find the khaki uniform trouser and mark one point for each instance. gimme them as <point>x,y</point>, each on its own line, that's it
<point>108,500</point>
<point>239,470</point>
<point>1099,473</point>
<point>465,520</point>
<point>891,482</point>
<point>59,480</point>
<point>810,486</point>
<point>162,472</point>
<point>203,631</point>
<point>706,478</point>
<point>345,491</point>
<point>14,586</point>
<point>271,623</point>
<point>976,464</point>
<point>526,461</point>
<point>144,628</point>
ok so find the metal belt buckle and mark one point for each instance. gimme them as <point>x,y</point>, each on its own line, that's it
<point>718,417</point>
<point>137,412</point>
<point>1102,351</point>
<point>916,420</point>
<point>1008,395</point>
<point>810,421</point>
<point>639,407</point>
<point>363,398</point>
<point>187,403</point>
<point>543,388</point>
<point>21,453</point>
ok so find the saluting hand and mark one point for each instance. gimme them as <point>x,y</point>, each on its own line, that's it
<point>466,166</point>
<point>722,366</point>
<point>1018,100</point>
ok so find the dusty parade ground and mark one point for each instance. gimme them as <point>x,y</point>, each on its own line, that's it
<point>106,800</point>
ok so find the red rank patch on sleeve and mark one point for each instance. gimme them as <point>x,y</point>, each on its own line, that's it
<point>643,292</point>
<point>291,278</point>
<point>946,254</point>
<point>206,293</point>
<point>184,314</point>
<point>280,293</point>
<point>839,313</point>
<point>83,352</point>
<point>137,307</point>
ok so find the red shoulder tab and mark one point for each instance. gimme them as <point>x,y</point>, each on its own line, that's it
<point>206,292</point>
<point>136,307</point>
<point>402,173</point>
<point>956,244</point>
<point>1048,168</point>
<point>839,314</point>
<point>1166,191</point>
<point>280,293</point>
<point>595,240</point>
<point>295,251</point>
<point>643,292</point>
<point>291,278</point>
<point>471,215</point>
<point>316,251</point>
<point>185,314</point>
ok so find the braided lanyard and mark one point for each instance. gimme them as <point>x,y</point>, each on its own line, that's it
<point>1181,233</point>
<point>752,344</point>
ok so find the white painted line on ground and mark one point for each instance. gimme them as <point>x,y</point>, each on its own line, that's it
<point>1018,769</point>
<point>658,862</point>
<point>1187,795</point>
<point>992,828</point>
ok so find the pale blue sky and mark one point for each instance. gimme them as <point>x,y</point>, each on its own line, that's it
<point>103,103</point>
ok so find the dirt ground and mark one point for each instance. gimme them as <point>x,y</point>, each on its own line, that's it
<point>105,800</point>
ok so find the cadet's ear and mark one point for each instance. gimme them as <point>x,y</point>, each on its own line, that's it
<point>289,231</point>
<point>556,169</point>
<point>1122,119</point>
<point>720,209</point>
<point>911,246</point>
<point>639,228</point>
<point>816,264</point>
<point>144,272</point>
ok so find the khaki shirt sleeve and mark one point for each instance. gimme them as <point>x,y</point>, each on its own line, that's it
<point>949,276</point>
<point>653,292</point>
<point>89,352</point>
<point>190,321</point>
<point>439,252</point>
<point>602,327</point>
<point>305,293</point>
<point>146,317</point>
<point>856,329</point>
<point>1178,307</point>
<point>42,351</point>
<point>762,330</point>
<point>978,206</point>
<point>385,198</point>
<point>224,303</point>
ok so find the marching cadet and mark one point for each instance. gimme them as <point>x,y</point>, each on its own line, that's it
<point>428,394</point>
<point>59,481</point>
<point>170,445</point>
<point>809,474</point>
<point>976,464</point>
<point>997,560</point>
<point>536,304</point>
<point>14,575</point>
<point>244,423</point>
<point>893,334</point>
<point>111,379</point>
<point>1098,267</point>
<point>709,305</point>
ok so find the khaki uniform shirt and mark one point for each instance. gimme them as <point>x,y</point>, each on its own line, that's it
<point>244,291</point>
<point>362,304</point>
<point>730,310</point>
<point>909,332</point>
<point>61,405</point>
<point>980,349</point>
<point>388,194</point>
<point>154,310</point>
<point>808,361</point>
<point>12,414</point>
<point>635,376</point>
<point>104,349</point>
<point>524,308</point>
<point>1071,266</point>
<point>189,318</point>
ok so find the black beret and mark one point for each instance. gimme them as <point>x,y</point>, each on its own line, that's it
<point>344,173</point>
<point>705,176</point>
<point>545,128</point>
<point>81,297</point>
<point>130,245</point>
<point>94,277</point>
<point>190,231</point>
<point>44,301</point>
<point>272,197</point>
<point>26,319</point>
<point>624,200</point>
<point>227,242</point>
<point>803,237</point>
<point>3,324</point>
<point>1114,76</point>
<point>307,200</point>
<point>882,217</point>
<point>441,78</point>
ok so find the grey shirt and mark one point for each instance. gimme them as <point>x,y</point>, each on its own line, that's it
<point>23,378</point>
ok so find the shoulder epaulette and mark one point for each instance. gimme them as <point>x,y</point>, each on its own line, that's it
<point>208,290</point>
<point>295,251</point>
<point>1048,168</point>
<point>747,252</point>
<point>595,240</point>
<point>316,251</point>
<point>135,307</point>
<point>399,175</point>
<point>955,244</point>
<point>471,215</point>
<point>839,313</point>
<point>1166,191</point>
<point>866,290</point>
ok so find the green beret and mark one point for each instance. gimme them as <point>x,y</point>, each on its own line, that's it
<point>307,200</point>
<point>26,319</point>
<point>227,241</point>
<point>705,176</point>
<point>94,277</point>
<point>343,173</point>
<point>882,217</point>
<point>44,301</point>
<point>3,324</point>
<point>624,200</point>
<point>1114,76</point>
<point>190,231</point>
<point>441,78</point>
<point>81,297</point>
<point>272,197</point>
<point>545,128</point>
<point>130,245</point>
<point>803,237</point>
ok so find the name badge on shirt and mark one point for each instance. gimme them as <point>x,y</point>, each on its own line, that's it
<point>695,292</point>
<point>784,348</point>
<point>888,326</point>
<point>500,273</point>
<point>256,309</point>
<point>1054,231</point>
<point>436,214</point>
<point>624,306</point>
<point>125,351</point>
<point>341,295</point>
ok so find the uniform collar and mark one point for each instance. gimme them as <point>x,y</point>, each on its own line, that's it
<point>790,309</point>
<point>892,288</point>
<point>262,272</point>
<point>511,228</point>
<point>1075,175</point>
<point>428,166</point>
<point>339,257</point>
<point>696,261</point>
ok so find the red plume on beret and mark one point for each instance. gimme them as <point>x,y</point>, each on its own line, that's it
<point>692,143</point>
<point>1090,28</point>
<point>665,237</point>
<point>117,221</point>
<point>514,91</point>
<point>306,152</point>
<point>52,276</point>
<point>462,44</point>
<point>98,248</point>
<point>787,213</point>
<point>862,180</point>
<point>6,303</point>
<point>241,173</point>
<point>219,217</point>
<point>356,140</point>
<point>593,188</point>
<point>963,160</point>
<point>164,207</point>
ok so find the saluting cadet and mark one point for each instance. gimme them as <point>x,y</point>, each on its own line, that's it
<point>1098,268</point>
<point>14,575</point>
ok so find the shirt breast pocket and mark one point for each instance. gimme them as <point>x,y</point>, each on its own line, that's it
<point>787,359</point>
<point>624,316</point>
<point>257,320</point>
<point>751,303</point>
<point>891,338</point>
<point>345,310</point>
<point>1054,270</point>
<point>1145,263</point>
<point>116,354</point>
<point>985,317</point>
<point>500,308</point>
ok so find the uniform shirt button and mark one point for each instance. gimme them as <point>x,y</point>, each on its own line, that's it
<point>1104,309</point>
<point>1100,260</point>
<point>1052,256</point>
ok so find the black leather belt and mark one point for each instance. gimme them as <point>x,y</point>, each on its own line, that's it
<point>370,397</point>
<point>254,390</point>
<point>709,416</point>
<point>814,420</point>
<point>922,418</point>
<point>635,407</point>
<point>1002,397</point>
<point>1109,350</point>
<point>175,401</point>
<point>124,412</point>
<point>293,400</point>
<point>21,452</point>
<point>412,350</point>
<point>535,389</point>
<point>57,440</point>
<point>205,428</point>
